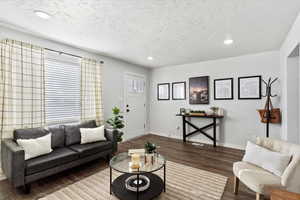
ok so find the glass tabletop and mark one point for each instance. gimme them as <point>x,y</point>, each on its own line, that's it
<point>122,163</point>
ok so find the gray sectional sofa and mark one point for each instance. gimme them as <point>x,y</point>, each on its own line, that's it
<point>67,153</point>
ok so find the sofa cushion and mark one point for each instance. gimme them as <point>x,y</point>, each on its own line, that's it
<point>55,158</point>
<point>58,137</point>
<point>72,132</point>
<point>29,133</point>
<point>91,148</point>
<point>256,178</point>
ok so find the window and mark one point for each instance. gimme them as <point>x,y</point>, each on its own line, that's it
<point>62,88</point>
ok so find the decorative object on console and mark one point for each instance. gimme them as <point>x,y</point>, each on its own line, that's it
<point>223,89</point>
<point>215,110</point>
<point>269,114</point>
<point>179,90</point>
<point>163,91</point>
<point>197,113</point>
<point>182,111</point>
<point>117,123</point>
<point>199,90</point>
<point>249,87</point>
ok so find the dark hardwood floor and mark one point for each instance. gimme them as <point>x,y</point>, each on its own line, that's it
<point>217,160</point>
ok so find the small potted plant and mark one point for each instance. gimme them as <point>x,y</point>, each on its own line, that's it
<point>215,110</point>
<point>117,123</point>
<point>150,150</point>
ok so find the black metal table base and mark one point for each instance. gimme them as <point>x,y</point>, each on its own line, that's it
<point>118,188</point>
<point>213,125</point>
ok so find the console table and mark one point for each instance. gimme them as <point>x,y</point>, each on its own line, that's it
<point>200,129</point>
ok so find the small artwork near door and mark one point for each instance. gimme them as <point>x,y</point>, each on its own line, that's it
<point>163,91</point>
<point>199,90</point>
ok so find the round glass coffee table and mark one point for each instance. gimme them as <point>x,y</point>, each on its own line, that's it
<point>137,184</point>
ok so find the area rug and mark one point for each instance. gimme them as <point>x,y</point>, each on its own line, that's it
<point>183,183</point>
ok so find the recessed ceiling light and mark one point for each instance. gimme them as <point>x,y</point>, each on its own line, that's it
<point>228,41</point>
<point>150,58</point>
<point>42,14</point>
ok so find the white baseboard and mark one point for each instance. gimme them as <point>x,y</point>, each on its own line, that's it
<point>234,146</point>
<point>135,137</point>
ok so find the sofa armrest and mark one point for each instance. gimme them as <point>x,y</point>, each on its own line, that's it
<point>13,162</point>
<point>111,135</point>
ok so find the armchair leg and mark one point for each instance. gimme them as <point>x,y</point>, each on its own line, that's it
<point>236,185</point>
<point>259,196</point>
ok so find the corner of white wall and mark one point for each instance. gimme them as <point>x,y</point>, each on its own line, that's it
<point>290,42</point>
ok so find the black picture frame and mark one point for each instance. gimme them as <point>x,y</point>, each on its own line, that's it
<point>199,90</point>
<point>184,85</point>
<point>215,90</point>
<point>240,96</point>
<point>158,94</point>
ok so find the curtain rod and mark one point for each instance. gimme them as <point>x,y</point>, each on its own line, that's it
<point>60,52</point>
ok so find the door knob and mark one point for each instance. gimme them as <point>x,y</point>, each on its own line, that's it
<point>127,110</point>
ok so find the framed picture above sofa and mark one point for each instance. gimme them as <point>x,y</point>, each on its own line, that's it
<point>163,91</point>
<point>179,90</point>
<point>199,90</point>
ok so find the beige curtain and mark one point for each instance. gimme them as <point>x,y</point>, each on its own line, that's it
<point>91,91</point>
<point>22,88</point>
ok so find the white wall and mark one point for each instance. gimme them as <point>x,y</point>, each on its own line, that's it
<point>289,44</point>
<point>113,70</point>
<point>242,121</point>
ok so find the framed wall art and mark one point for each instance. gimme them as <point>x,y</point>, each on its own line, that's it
<point>179,90</point>
<point>163,91</point>
<point>199,90</point>
<point>249,87</point>
<point>223,89</point>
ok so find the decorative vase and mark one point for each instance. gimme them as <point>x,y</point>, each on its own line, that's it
<point>149,158</point>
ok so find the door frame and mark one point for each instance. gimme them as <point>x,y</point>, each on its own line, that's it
<point>125,98</point>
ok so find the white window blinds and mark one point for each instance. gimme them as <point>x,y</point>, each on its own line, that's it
<point>62,88</point>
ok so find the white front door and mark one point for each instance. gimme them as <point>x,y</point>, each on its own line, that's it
<point>135,105</point>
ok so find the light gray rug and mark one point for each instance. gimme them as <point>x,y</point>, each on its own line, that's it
<point>183,183</point>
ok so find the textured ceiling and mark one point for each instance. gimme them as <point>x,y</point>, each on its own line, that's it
<point>171,31</point>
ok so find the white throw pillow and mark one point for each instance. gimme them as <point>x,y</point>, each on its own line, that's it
<point>36,147</point>
<point>89,135</point>
<point>274,162</point>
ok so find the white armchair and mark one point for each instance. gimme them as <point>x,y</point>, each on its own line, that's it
<point>259,179</point>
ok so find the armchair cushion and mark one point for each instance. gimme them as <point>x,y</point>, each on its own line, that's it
<point>256,178</point>
<point>57,157</point>
<point>274,162</point>
<point>91,148</point>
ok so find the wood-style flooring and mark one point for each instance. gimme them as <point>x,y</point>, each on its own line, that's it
<point>218,160</point>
